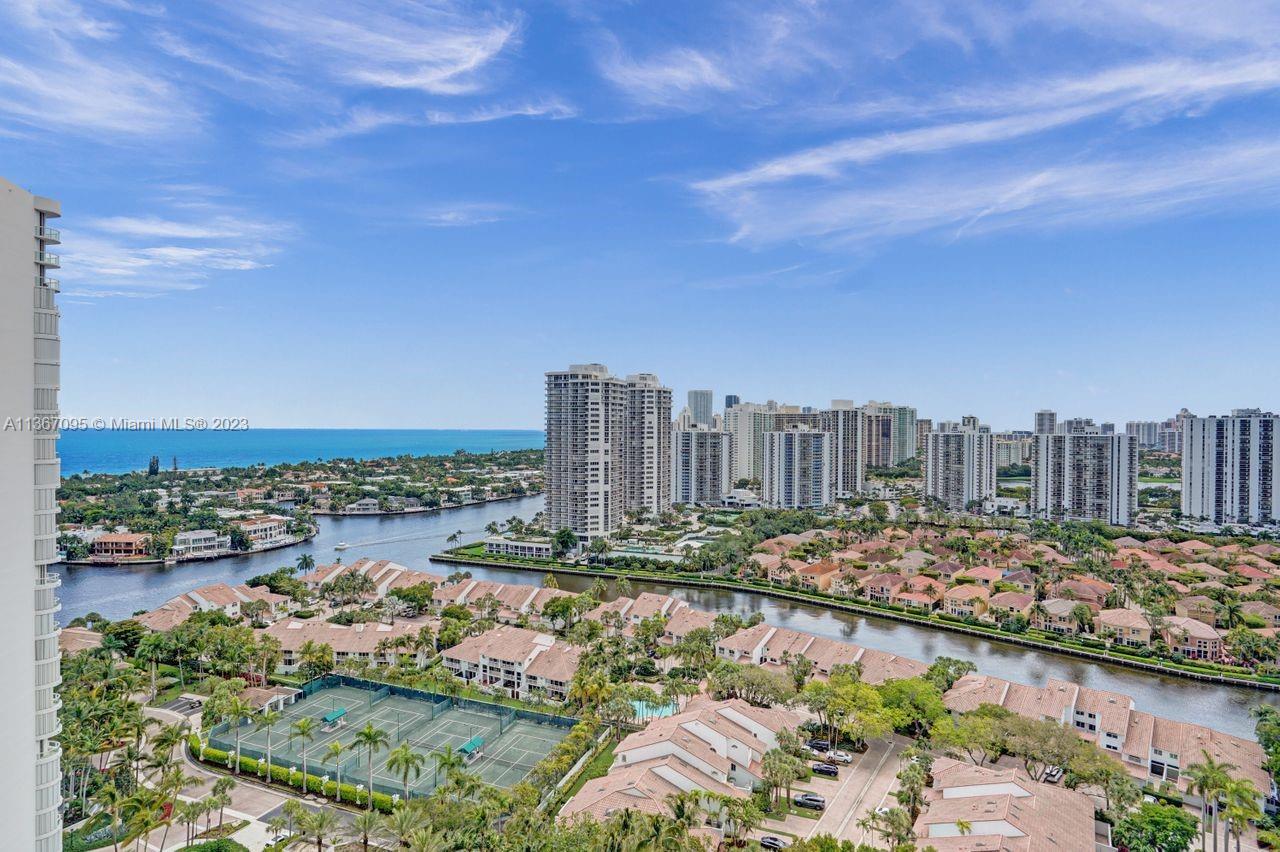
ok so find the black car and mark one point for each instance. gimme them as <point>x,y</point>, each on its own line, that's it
<point>828,769</point>
<point>810,800</point>
<point>771,842</point>
<point>819,745</point>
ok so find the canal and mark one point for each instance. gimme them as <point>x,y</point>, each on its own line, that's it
<point>410,539</point>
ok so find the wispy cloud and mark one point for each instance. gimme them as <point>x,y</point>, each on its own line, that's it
<point>1134,187</point>
<point>440,48</point>
<point>360,121</point>
<point>673,77</point>
<point>462,214</point>
<point>149,256</point>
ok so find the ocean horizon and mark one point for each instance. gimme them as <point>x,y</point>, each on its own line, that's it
<point>118,451</point>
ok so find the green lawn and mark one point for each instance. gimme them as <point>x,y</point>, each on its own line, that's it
<point>597,768</point>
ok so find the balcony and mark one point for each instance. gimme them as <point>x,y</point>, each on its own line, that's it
<point>47,602</point>
<point>49,283</point>
<point>49,236</point>
<point>49,581</point>
<point>44,258</point>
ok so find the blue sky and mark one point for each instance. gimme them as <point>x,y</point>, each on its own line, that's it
<point>388,213</point>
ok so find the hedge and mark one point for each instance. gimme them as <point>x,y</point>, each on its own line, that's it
<point>282,775</point>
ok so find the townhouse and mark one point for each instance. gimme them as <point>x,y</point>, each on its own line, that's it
<point>967,600</point>
<point>1125,627</point>
<point>515,662</point>
<point>1192,638</point>
<point>370,642</point>
<point>990,809</point>
<point>385,575</point>
<point>216,597</point>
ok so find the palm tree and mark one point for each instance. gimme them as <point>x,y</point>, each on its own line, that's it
<point>222,794</point>
<point>447,760</point>
<point>1209,779</point>
<point>685,808</point>
<point>306,562</point>
<point>303,730</point>
<point>237,711</point>
<point>364,826</point>
<point>1241,808</point>
<point>333,754</point>
<point>404,761</point>
<point>372,740</point>
<point>318,825</point>
<point>267,719</point>
<point>112,800</point>
<point>401,823</point>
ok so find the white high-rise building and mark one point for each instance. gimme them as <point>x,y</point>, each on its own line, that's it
<point>960,465</point>
<point>1085,476</point>
<point>746,424</point>
<point>797,468</point>
<point>584,460</point>
<point>1046,422</point>
<point>607,448</point>
<point>699,466</point>
<point>845,422</point>
<point>700,406</point>
<point>1147,432</point>
<point>29,473</point>
<point>1230,472</point>
<point>648,444</point>
<point>1012,448</point>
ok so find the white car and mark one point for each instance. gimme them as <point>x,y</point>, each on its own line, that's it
<point>839,757</point>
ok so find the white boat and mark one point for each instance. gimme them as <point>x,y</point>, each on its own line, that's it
<point>342,545</point>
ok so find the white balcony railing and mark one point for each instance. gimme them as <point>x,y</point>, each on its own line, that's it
<point>48,235</point>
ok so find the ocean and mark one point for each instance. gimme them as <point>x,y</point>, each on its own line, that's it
<point>117,451</point>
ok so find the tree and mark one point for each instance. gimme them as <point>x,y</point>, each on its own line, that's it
<point>1042,744</point>
<point>1154,827</point>
<point>405,762</point>
<point>266,720</point>
<point>564,541</point>
<point>1209,779</point>
<point>913,704</point>
<point>978,737</point>
<point>319,826</point>
<point>333,754</point>
<point>372,740</point>
<point>304,731</point>
<point>364,826</point>
<point>314,659</point>
<point>945,671</point>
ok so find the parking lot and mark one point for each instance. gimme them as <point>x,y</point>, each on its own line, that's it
<point>862,787</point>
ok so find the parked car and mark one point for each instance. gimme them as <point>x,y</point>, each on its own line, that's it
<point>810,800</point>
<point>819,745</point>
<point>1053,775</point>
<point>838,756</point>
<point>828,769</point>
<point>769,841</point>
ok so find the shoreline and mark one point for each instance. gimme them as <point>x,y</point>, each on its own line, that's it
<point>422,510</point>
<point>87,563</point>
<point>862,609</point>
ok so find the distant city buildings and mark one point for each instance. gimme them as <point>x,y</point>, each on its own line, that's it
<point>890,434</point>
<point>1013,448</point>
<point>960,464</point>
<point>730,400</point>
<point>700,466</point>
<point>700,407</point>
<point>1085,476</point>
<point>1229,467</point>
<point>607,448</point>
<point>797,468</point>
<point>1046,422</point>
<point>1146,432</point>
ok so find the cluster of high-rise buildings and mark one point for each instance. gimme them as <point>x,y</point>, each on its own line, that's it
<point>613,447</point>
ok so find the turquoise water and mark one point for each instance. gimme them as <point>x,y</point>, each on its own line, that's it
<point>644,710</point>
<point>123,451</point>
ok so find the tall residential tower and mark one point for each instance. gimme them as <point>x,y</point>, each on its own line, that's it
<point>960,465</point>
<point>29,472</point>
<point>1230,473</point>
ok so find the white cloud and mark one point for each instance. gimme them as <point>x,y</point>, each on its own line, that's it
<point>673,77</point>
<point>462,214</point>
<point>360,121</point>
<point>1133,187</point>
<point>438,48</point>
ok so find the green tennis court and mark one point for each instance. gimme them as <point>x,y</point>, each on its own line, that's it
<point>495,745</point>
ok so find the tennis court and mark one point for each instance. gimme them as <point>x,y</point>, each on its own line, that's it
<point>498,747</point>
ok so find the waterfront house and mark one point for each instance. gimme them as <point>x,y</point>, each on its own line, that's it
<point>983,575</point>
<point>882,587</point>
<point>524,548</point>
<point>966,600</point>
<point>819,575</point>
<point>1261,609</point>
<point>1192,638</point>
<point>111,548</point>
<point>683,622</point>
<point>196,544</point>
<point>1125,626</point>
<point>1057,616</point>
<point>746,645</point>
<point>264,530</point>
<point>1003,605</point>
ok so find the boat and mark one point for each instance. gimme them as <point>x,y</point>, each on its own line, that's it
<point>342,545</point>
